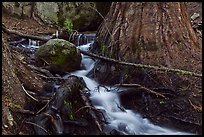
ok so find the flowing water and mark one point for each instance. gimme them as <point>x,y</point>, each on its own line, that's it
<point>106,99</point>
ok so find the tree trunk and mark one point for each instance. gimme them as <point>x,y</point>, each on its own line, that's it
<point>154,33</point>
<point>159,34</point>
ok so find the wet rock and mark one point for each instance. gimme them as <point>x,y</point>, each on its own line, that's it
<point>61,55</point>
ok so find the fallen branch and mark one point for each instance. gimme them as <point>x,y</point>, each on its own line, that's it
<point>140,86</point>
<point>23,35</point>
<point>28,94</point>
<point>37,126</point>
<point>142,66</point>
<point>46,104</point>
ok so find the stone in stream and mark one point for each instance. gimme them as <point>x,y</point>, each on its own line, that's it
<point>61,56</point>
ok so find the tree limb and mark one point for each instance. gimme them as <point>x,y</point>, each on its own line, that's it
<point>142,66</point>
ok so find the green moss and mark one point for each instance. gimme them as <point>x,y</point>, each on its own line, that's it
<point>62,54</point>
<point>178,44</point>
<point>12,103</point>
<point>103,49</point>
<point>182,72</point>
<point>68,25</point>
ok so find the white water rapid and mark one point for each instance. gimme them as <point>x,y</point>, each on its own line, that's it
<point>123,120</point>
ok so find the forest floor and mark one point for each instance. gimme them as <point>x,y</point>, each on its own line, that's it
<point>11,82</point>
<point>13,97</point>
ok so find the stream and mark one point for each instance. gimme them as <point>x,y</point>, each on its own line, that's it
<point>106,99</point>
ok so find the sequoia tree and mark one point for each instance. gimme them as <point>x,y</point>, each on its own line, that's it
<point>153,33</point>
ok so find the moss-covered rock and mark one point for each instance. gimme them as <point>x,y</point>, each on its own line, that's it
<point>83,15</point>
<point>61,55</point>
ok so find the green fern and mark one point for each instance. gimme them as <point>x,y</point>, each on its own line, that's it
<point>68,25</point>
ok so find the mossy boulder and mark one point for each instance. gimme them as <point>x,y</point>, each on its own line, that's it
<point>61,55</point>
<point>83,15</point>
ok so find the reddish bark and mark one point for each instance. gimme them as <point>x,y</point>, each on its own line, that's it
<point>155,33</point>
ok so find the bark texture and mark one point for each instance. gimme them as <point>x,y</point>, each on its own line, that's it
<point>154,33</point>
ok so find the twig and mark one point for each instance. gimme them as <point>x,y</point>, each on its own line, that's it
<point>142,66</point>
<point>196,108</point>
<point>25,112</point>
<point>37,126</point>
<point>46,104</point>
<point>142,87</point>
<point>84,108</point>
<point>28,93</point>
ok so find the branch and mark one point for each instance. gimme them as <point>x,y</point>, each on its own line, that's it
<point>28,93</point>
<point>165,69</point>
<point>23,35</point>
<point>140,86</point>
<point>28,122</point>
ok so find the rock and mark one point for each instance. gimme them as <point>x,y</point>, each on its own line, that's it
<point>19,9</point>
<point>83,15</point>
<point>61,55</point>
<point>47,11</point>
<point>77,13</point>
